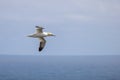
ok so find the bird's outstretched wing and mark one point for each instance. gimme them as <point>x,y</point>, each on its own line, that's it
<point>39,29</point>
<point>42,43</point>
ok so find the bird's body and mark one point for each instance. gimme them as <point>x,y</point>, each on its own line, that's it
<point>40,34</point>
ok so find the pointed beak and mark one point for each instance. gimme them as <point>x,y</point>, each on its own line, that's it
<point>53,35</point>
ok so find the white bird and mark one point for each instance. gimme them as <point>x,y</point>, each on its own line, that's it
<point>40,34</point>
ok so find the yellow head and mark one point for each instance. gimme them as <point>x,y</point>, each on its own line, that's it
<point>50,34</point>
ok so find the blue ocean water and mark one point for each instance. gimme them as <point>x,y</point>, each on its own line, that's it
<point>59,67</point>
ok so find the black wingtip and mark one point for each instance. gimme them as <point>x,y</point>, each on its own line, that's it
<point>39,27</point>
<point>36,26</point>
<point>40,49</point>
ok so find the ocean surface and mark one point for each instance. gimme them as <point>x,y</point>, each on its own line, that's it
<point>29,67</point>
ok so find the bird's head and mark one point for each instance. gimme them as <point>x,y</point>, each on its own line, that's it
<point>50,34</point>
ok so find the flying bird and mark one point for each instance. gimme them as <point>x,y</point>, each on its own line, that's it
<point>40,35</point>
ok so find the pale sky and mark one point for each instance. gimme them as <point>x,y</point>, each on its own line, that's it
<point>82,27</point>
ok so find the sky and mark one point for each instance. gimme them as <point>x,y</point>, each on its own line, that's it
<point>82,27</point>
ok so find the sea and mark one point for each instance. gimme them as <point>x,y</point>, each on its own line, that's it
<point>37,67</point>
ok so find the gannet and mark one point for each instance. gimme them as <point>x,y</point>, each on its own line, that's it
<point>40,35</point>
